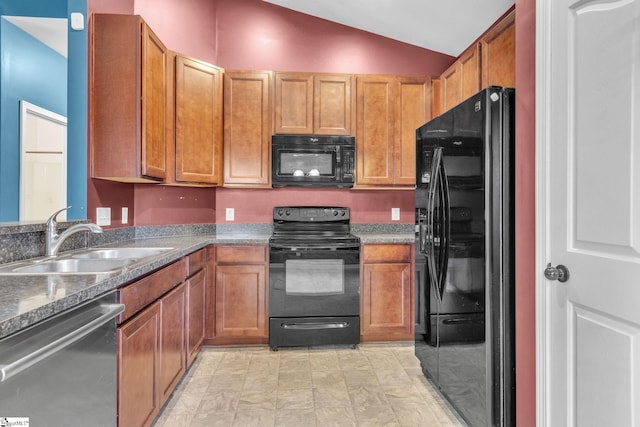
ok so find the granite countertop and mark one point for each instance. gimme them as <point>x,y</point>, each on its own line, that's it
<point>28,299</point>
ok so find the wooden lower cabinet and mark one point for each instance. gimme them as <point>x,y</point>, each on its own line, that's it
<point>196,290</point>
<point>172,340</point>
<point>138,364</point>
<point>387,312</point>
<point>241,314</point>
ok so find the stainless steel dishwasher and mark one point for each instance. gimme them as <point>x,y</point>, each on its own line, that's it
<point>63,371</point>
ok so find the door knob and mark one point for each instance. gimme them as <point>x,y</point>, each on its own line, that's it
<point>559,273</point>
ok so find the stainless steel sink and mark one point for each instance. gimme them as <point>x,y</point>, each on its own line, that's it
<point>120,253</point>
<point>72,266</point>
<point>90,261</point>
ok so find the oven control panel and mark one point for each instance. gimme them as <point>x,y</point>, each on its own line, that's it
<point>310,213</point>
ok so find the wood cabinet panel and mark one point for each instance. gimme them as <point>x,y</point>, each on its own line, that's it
<point>138,365</point>
<point>387,311</point>
<point>462,78</point>
<point>172,340</point>
<point>389,109</point>
<point>374,130</point>
<point>499,54</point>
<point>240,254</point>
<point>210,294</point>
<point>196,300</point>
<point>436,97</point>
<point>294,103</point>
<point>241,308</point>
<point>413,109</point>
<point>319,104</point>
<point>198,121</point>
<point>145,291</point>
<point>128,100</point>
<point>333,104</point>
<point>247,128</point>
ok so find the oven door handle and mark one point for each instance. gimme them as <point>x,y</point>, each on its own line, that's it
<point>315,325</point>
<point>293,248</point>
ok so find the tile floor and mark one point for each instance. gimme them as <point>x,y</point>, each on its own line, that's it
<point>374,385</point>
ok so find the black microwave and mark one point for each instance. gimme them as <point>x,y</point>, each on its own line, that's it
<point>312,161</point>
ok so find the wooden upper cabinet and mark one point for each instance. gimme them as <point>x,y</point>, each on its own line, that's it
<point>389,109</point>
<point>413,109</point>
<point>374,130</point>
<point>462,78</point>
<point>198,122</point>
<point>247,128</point>
<point>436,97</point>
<point>128,100</point>
<point>319,104</point>
<point>499,53</point>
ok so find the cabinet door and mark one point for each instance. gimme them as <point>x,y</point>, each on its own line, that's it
<point>241,309</point>
<point>436,97</point>
<point>198,113</point>
<point>172,340</point>
<point>462,78</point>
<point>210,294</point>
<point>154,105</point>
<point>138,363</point>
<point>333,104</point>
<point>413,109</point>
<point>195,314</point>
<point>386,302</point>
<point>374,130</point>
<point>499,53</point>
<point>247,128</point>
<point>294,103</point>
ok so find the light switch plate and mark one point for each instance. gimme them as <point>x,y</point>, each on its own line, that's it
<point>125,215</point>
<point>230,214</point>
<point>395,214</point>
<point>77,21</point>
<point>103,216</point>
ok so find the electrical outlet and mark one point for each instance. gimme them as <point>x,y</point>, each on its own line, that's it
<point>125,215</point>
<point>230,214</point>
<point>103,216</point>
<point>395,214</point>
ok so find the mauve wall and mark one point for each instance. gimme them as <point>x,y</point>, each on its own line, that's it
<point>251,34</point>
<point>525,213</point>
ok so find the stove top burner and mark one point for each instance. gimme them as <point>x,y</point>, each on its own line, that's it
<point>312,226</point>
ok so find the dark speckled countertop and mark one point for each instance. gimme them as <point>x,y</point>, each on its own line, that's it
<point>28,299</point>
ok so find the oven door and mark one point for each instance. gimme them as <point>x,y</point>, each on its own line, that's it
<point>314,281</point>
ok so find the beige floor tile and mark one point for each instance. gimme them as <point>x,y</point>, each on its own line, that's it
<point>296,418</point>
<point>295,399</point>
<point>331,397</point>
<point>374,385</point>
<point>294,380</point>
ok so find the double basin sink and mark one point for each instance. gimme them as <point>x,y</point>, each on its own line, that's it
<point>89,261</point>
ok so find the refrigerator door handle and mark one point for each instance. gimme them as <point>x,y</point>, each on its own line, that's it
<point>445,227</point>
<point>430,237</point>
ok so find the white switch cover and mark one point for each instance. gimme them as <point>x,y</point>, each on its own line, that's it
<point>103,216</point>
<point>230,214</point>
<point>395,214</point>
<point>125,215</point>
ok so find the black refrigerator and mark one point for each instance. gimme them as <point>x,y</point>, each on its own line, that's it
<point>465,249</point>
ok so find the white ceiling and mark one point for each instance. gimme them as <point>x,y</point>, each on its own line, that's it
<point>446,26</point>
<point>50,31</point>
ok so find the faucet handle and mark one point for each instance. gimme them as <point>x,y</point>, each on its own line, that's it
<point>52,218</point>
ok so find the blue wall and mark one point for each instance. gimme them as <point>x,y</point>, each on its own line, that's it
<point>73,85</point>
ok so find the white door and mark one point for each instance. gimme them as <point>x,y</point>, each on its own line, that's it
<point>588,193</point>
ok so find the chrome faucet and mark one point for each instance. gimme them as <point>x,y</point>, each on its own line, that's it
<point>53,240</point>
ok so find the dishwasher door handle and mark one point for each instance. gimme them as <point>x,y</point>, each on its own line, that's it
<point>107,313</point>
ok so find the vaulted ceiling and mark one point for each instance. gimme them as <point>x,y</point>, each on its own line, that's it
<point>446,26</point>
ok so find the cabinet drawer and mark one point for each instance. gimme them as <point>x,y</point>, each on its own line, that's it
<point>196,262</point>
<point>241,254</point>
<point>386,253</point>
<point>143,292</point>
